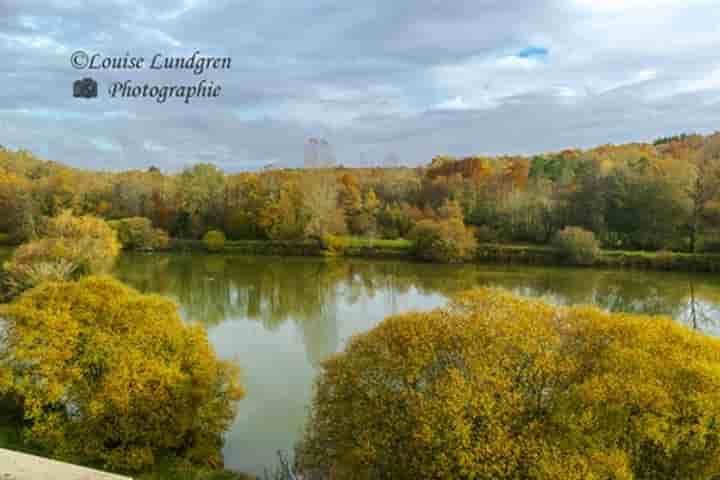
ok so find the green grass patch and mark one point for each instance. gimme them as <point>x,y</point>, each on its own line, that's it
<point>363,242</point>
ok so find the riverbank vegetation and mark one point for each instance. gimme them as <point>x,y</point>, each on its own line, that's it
<point>495,386</point>
<point>663,196</point>
<point>96,373</point>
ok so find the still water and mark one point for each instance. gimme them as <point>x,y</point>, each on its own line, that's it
<point>280,317</point>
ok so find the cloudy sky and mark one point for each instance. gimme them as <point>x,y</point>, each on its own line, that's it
<point>411,77</point>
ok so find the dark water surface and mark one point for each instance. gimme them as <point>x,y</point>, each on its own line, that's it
<point>279,317</point>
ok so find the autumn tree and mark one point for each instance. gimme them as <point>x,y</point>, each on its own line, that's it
<point>69,248</point>
<point>704,188</point>
<point>114,377</point>
<point>577,245</point>
<point>396,221</point>
<point>285,217</point>
<point>247,197</point>
<point>202,196</point>
<point>321,202</point>
<point>445,241</point>
<point>499,387</point>
<point>137,233</point>
<point>644,207</point>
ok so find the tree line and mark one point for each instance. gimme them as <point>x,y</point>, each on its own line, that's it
<point>650,196</point>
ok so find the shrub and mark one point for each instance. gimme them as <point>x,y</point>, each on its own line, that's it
<point>447,241</point>
<point>214,240</point>
<point>137,233</point>
<point>71,247</point>
<point>499,387</point>
<point>578,246</point>
<point>112,376</point>
<point>334,244</point>
<point>487,234</point>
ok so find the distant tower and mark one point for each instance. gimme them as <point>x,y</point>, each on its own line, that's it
<point>312,153</point>
<point>319,154</point>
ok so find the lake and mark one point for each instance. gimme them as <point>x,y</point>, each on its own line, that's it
<point>280,317</point>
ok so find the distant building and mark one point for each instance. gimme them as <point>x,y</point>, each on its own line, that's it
<point>319,154</point>
<point>391,160</point>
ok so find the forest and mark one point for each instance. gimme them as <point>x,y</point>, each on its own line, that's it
<point>638,196</point>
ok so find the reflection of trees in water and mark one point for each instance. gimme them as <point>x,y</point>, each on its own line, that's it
<point>307,291</point>
<point>215,288</point>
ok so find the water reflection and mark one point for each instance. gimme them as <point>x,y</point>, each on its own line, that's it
<point>216,288</point>
<point>280,317</point>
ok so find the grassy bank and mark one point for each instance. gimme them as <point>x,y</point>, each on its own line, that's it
<point>620,259</point>
<point>486,253</point>
<point>338,246</point>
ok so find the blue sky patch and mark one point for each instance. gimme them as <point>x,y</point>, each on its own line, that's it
<point>533,52</point>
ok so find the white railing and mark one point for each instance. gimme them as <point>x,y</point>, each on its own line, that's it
<point>21,466</point>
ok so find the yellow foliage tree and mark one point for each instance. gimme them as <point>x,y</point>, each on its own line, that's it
<point>446,241</point>
<point>70,247</point>
<point>109,375</point>
<point>137,233</point>
<point>498,387</point>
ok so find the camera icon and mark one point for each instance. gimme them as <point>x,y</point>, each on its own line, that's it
<point>85,88</point>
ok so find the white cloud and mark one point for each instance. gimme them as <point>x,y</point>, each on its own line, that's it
<point>710,81</point>
<point>151,146</point>
<point>517,63</point>
<point>456,103</point>
<point>34,42</point>
<point>618,6</point>
<point>347,72</point>
<point>644,76</point>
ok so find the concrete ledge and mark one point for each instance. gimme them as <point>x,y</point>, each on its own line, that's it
<point>21,466</point>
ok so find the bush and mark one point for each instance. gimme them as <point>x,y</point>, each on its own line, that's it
<point>71,247</point>
<point>499,387</point>
<point>214,240</point>
<point>334,244</point>
<point>137,233</point>
<point>112,376</point>
<point>487,234</point>
<point>577,246</point>
<point>447,241</point>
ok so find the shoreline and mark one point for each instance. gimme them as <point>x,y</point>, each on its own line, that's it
<point>486,254</point>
